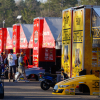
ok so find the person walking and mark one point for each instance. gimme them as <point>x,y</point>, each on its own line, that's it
<point>12,64</point>
<point>21,67</point>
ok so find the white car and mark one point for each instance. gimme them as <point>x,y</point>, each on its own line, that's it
<point>31,73</point>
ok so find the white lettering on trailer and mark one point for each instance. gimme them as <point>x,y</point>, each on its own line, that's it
<point>35,48</point>
<point>34,59</point>
<point>23,45</point>
<point>37,24</point>
<point>45,33</point>
<point>35,56</point>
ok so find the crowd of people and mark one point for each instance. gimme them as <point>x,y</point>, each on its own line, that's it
<point>15,62</point>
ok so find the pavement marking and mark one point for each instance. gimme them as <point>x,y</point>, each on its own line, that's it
<point>23,87</point>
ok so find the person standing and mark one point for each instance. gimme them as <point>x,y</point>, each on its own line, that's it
<point>25,61</point>
<point>2,63</point>
<point>4,55</point>
<point>21,67</point>
<point>0,67</point>
<point>12,64</point>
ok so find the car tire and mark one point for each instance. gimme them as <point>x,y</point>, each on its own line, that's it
<point>2,95</point>
<point>44,86</point>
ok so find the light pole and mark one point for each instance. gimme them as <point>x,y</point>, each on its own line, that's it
<point>95,3</point>
<point>3,23</point>
<point>19,18</point>
<point>78,2</point>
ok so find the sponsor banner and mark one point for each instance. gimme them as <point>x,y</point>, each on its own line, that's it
<point>48,40</point>
<point>77,53</point>
<point>16,38</point>
<point>23,40</point>
<point>36,43</point>
<point>1,42</point>
<point>9,42</point>
<point>3,36</point>
<point>66,41</point>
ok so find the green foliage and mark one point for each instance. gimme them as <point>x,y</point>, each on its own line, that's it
<point>90,2</point>
<point>7,9</point>
<point>29,9</point>
<point>54,7</point>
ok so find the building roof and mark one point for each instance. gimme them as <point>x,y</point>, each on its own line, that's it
<point>55,25</point>
<point>10,31</point>
<point>28,30</point>
<point>59,39</point>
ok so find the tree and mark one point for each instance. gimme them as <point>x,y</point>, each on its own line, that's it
<point>7,9</point>
<point>90,2</point>
<point>30,11</point>
<point>53,8</point>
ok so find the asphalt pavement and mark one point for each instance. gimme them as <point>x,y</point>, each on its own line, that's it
<point>32,91</point>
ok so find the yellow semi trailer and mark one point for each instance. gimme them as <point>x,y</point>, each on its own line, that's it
<point>81,40</point>
<point>80,51</point>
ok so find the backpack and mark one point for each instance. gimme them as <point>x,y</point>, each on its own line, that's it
<point>5,61</point>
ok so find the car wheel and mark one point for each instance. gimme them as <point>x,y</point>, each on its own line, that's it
<point>32,76</point>
<point>2,94</point>
<point>44,86</point>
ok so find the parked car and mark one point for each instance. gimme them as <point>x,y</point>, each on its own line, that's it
<point>88,84</point>
<point>1,87</point>
<point>31,73</point>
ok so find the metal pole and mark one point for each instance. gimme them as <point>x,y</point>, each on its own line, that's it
<point>3,23</point>
<point>78,2</point>
<point>20,21</point>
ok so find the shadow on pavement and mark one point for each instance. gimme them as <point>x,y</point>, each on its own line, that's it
<point>47,98</point>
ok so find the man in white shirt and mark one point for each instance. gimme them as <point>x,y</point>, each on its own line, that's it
<point>12,64</point>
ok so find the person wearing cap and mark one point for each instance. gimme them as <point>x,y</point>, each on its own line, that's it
<point>21,67</point>
<point>12,64</point>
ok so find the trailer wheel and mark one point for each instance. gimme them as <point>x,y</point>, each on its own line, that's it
<point>33,76</point>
